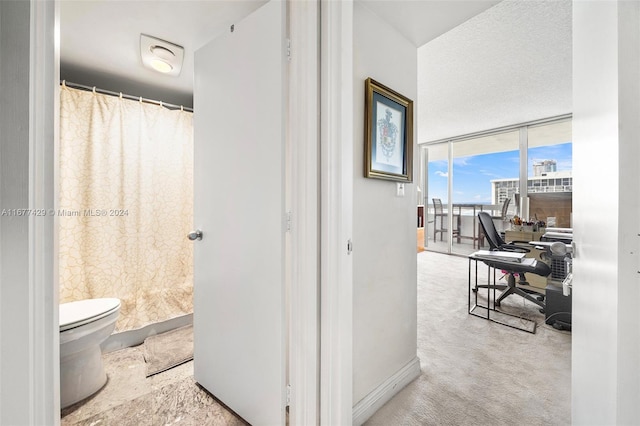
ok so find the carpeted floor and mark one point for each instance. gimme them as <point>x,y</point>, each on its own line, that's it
<point>476,372</point>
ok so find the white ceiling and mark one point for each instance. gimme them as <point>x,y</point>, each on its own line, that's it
<point>100,39</point>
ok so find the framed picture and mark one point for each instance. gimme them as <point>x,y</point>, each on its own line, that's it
<point>388,148</point>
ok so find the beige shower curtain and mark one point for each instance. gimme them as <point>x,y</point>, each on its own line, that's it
<point>126,205</point>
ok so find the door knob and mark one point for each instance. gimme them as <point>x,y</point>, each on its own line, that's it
<point>195,235</point>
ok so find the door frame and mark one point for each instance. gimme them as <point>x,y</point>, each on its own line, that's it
<point>321,372</point>
<point>336,217</point>
<point>321,144</point>
<point>32,297</point>
<point>303,259</point>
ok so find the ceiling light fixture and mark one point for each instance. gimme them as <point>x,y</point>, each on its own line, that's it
<point>161,55</point>
<point>161,66</point>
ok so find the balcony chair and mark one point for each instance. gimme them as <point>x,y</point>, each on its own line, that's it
<point>440,213</point>
<point>496,243</point>
<point>505,209</point>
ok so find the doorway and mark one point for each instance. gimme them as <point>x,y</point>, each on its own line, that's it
<point>245,174</point>
<point>336,403</point>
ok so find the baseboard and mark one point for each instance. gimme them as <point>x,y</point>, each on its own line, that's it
<point>387,390</point>
<point>136,337</point>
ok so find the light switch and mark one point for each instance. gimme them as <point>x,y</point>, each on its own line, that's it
<point>400,190</point>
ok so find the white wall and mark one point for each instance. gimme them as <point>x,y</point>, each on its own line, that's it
<point>628,369</point>
<point>384,225</point>
<point>606,296</point>
<point>508,65</point>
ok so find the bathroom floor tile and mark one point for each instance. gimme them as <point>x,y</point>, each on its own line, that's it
<point>187,403</point>
<point>130,398</point>
<point>138,412</point>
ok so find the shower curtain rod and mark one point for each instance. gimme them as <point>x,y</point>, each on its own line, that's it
<point>122,95</point>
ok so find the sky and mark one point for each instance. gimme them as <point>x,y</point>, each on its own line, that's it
<point>472,175</point>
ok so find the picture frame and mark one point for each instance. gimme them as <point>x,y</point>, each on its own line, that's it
<point>388,129</point>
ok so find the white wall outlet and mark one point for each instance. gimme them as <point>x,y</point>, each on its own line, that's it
<point>400,190</point>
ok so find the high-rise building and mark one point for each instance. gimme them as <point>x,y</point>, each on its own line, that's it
<point>545,179</point>
<point>544,166</point>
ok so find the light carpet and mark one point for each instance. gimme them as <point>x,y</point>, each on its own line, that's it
<point>167,350</point>
<point>474,371</point>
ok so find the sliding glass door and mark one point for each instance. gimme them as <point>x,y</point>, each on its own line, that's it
<point>485,174</point>
<point>523,170</point>
<point>436,198</point>
<point>549,184</point>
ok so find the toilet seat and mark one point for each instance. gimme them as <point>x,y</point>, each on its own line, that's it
<point>81,312</point>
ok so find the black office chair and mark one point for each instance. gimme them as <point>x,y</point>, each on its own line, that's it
<point>496,243</point>
<point>504,211</point>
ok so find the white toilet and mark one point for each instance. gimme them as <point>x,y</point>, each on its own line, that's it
<point>84,325</point>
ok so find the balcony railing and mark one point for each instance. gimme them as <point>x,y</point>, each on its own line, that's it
<point>542,189</point>
<point>464,220</point>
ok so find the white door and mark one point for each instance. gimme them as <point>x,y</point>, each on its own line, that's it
<point>239,298</point>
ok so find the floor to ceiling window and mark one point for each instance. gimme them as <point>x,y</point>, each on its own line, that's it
<point>523,170</point>
<point>477,163</point>
<point>549,183</point>
<point>437,188</point>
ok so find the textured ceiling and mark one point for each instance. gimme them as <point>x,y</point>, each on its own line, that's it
<point>508,65</point>
<point>420,21</point>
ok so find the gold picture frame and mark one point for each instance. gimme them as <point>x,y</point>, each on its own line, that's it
<point>388,148</point>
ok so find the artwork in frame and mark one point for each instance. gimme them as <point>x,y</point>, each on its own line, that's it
<point>388,134</point>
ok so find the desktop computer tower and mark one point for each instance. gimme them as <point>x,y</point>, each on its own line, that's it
<point>557,307</point>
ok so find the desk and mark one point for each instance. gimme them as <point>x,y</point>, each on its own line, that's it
<point>535,253</point>
<point>527,236</point>
<point>489,311</point>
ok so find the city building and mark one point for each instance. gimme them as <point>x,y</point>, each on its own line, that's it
<point>545,180</point>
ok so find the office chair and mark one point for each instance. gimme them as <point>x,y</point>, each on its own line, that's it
<point>440,213</point>
<point>504,211</point>
<point>512,269</point>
